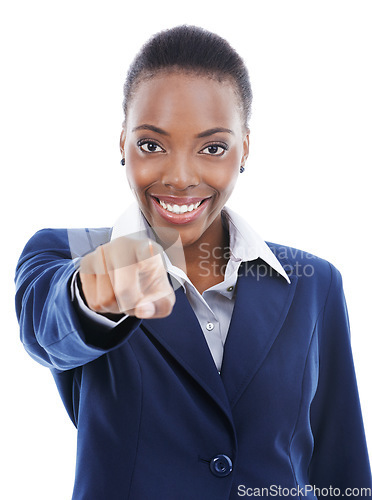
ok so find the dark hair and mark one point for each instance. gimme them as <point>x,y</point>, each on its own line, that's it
<point>190,49</point>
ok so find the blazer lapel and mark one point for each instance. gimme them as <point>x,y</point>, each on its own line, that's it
<point>181,335</point>
<point>261,306</point>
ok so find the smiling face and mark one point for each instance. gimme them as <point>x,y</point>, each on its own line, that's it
<point>183,143</point>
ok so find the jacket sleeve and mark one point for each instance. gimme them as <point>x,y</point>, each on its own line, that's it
<point>52,330</point>
<point>340,457</point>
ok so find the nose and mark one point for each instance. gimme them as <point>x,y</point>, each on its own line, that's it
<point>180,173</point>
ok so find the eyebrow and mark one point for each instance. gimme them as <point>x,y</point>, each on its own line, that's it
<point>146,126</point>
<point>206,133</point>
<point>212,131</point>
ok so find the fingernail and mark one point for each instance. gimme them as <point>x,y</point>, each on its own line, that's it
<point>146,310</point>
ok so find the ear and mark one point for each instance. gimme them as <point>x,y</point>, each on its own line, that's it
<point>245,148</point>
<point>122,141</point>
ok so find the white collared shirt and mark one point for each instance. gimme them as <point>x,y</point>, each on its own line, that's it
<point>213,308</point>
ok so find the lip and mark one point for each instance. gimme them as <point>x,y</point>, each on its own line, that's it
<point>179,218</point>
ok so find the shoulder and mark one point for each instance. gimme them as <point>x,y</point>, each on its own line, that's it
<point>305,265</point>
<point>67,243</point>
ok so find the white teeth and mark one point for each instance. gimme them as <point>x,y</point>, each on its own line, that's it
<point>176,209</point>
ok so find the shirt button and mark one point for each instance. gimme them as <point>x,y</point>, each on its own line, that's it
<point>210,326</point>
<point>220,465</point>
<point>230,289</point>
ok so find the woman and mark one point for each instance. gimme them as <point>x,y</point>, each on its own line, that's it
<point>196,360</point>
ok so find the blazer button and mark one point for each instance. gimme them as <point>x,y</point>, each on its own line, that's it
<point>221,465</point>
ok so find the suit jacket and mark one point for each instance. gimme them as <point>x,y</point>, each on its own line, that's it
<point>155,419</point>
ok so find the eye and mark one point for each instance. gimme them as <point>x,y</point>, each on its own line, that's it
<point>149,146</point>
<point>214,149</point>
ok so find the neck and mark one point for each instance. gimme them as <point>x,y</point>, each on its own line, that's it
<point>205,259</point>
<point>209,255</point>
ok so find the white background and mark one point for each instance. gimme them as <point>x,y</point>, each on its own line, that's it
<point>307,182</point>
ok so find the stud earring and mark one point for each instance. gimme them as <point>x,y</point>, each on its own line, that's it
<point>123,161</point>
<point>242,168</point>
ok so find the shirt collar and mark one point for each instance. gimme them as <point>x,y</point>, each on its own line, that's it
<point>245,243</point>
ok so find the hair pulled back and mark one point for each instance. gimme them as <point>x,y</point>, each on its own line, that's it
<point>190,49</point>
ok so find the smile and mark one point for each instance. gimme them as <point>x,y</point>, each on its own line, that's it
<point>181,212</point>
<point>176,209</point>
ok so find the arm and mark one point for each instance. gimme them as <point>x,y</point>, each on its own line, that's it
<point>340,457</point>
<point>53,330</point>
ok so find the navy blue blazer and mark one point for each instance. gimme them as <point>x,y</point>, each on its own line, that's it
<point>155,419</point>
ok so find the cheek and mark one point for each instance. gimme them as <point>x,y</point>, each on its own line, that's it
<point>224,179</point>
<point>227,183</point>
<point>139,173</point>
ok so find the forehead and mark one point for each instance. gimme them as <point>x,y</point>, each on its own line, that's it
<point>188,99</point>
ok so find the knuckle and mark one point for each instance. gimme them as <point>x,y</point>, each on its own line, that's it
<point>106,301</point>
<point>151,265</point>
<point>86,265</point>
<point>121,290</point>
<point>94,306</point>
<point>148,249</point>
<point>124,291</point>
<point>126,299</point>
<point>90,300</point>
